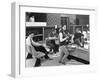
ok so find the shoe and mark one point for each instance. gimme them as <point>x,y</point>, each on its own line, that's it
<point>49,58</point>
<point>62,62</point>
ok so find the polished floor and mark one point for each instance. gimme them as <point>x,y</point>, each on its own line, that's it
<point>79,57</point>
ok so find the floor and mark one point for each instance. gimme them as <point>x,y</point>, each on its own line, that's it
<point>80,55</point>
<point>55,62</point>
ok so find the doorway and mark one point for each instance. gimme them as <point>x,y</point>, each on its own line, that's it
<point>65,21</point>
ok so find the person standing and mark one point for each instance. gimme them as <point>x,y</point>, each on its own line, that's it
<point>62,49</point>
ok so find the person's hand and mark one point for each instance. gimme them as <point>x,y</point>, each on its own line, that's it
<point>66,37</point>
<point>43,45</point>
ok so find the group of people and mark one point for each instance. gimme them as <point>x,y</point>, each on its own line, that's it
<point>38,50</point>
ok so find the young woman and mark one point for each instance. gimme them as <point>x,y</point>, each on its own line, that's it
<point>62,49</point>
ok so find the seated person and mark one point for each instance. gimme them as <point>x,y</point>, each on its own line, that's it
<point>31,45</point>
<point>78,38</point>
<point>51,41</point>
<point>85,36</point>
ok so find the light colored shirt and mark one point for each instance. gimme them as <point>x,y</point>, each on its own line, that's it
<point>28,41</point>
<point>84,33</point>
<point>30,49</point>
<point>61,37</point>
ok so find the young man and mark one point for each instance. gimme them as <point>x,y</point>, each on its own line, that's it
<point>33,47</point>
<point>51,40</point>
<point>78,38</point>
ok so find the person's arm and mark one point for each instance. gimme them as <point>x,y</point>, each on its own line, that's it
<point>35,43</point>
<point>52,38</point>
<point>61,37</point>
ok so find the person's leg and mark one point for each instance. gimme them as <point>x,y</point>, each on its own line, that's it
<point>82,41</point>
<point>61,53</point>
<point>38,62</point>
<point>56,48</point>
<point>29,56</point>
<point>42,49</point>
<point>66,53</point>
<point>77,41</point>
<point>53,45</point>
<point>46,53</point>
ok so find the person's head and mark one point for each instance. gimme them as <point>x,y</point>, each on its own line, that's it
<point>60,29</point>
<point>31,35</point>
<point>78,31</point>
<point>64,27</point>
<point>56,26</point>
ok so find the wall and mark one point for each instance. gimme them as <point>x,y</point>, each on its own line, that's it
<point>72,17</point>
<point>55,19</point>
<point>83,19</point>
